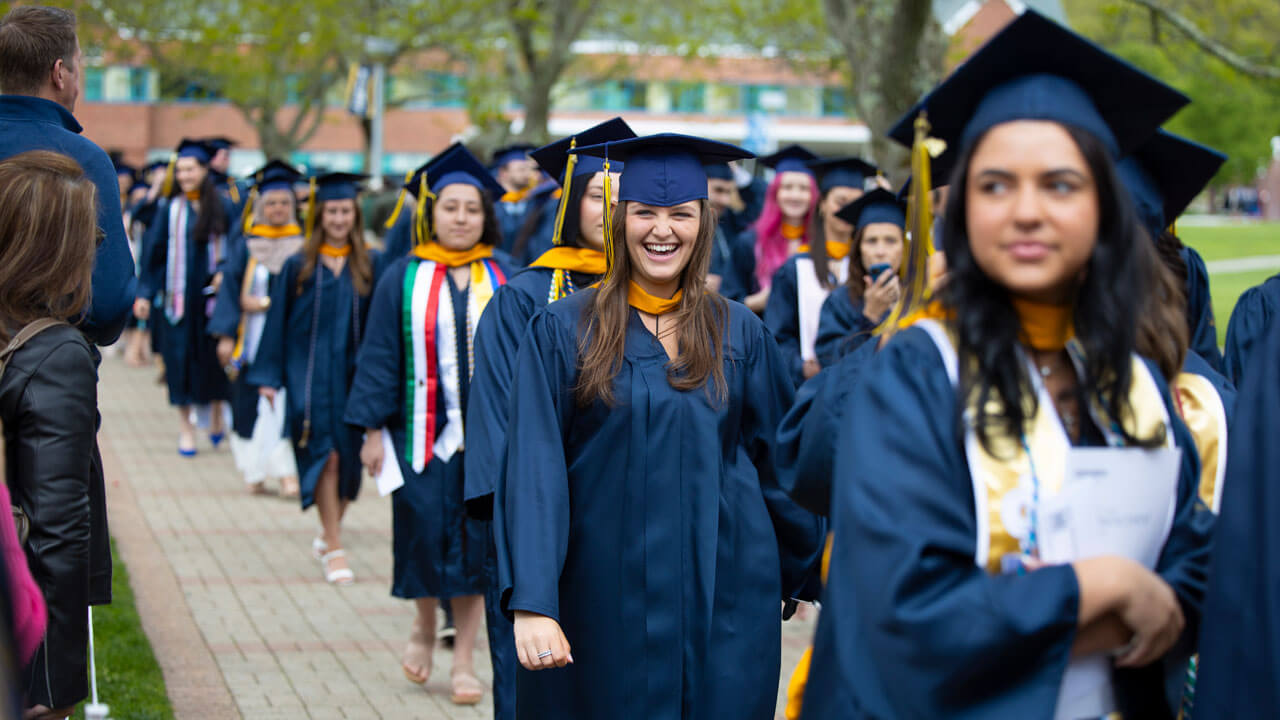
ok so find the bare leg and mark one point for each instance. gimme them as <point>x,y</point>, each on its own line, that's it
<point>329,508</point>
<point>416,661</point>
<point>468,613</point>
<point>186,431</point>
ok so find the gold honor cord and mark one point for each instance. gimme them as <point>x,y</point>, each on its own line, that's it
<point>311,208</point>
<point>915,276</point>
<point>608,219</point>
<point>404,190</point>
<point>557,237</point>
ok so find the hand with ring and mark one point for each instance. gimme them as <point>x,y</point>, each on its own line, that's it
<point>540,643</point>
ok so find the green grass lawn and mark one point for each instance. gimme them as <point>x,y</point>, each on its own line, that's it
<point>1226,242</point>
<point>129,679</point>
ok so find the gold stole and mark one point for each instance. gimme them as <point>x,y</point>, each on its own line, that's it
<point>1201,409</point>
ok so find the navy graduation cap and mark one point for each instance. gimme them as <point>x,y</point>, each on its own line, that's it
<point>275,175</point>
<point>430,168</point>
<point>510,153</point>
<point>197,149</point>
<point>1035,69</point>
<point>458,165</point>
<point>842,172</point>
<point>792,158</point>
<point>338,186</point>
<point>875,206</point>
<point>124,168</point>
<point>219,143</point>
<point>1165,174</point>
<point>553,158</point>
<point>664,169</point>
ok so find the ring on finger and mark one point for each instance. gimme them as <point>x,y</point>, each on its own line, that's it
<point>544,654</point>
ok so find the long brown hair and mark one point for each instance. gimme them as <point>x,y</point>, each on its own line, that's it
<point>700,319</point>
<point>48,238</point>
<point>818,243</point>
<point>857,287</point>
<point>358,261</point>
<point>1163,334</point>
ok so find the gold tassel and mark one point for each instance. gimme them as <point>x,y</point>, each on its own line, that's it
<point>233,191</point>
<point>395,214</point>
<point>246,217</point>
<point>167,187</point>
<point>608,220</point>
<point>421,222</point>
<point>557,237</point>
<point>915,275</point>
<point>311,208</point>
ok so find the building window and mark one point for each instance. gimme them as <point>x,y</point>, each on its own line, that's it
<point>93,84</point>
<point>446,89</point>
<point>688,97</point>
<point>764,98</point>
<point>834,102</point>
<point>619,95</point>
<point>139,84</point>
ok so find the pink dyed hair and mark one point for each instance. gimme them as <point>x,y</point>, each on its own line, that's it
<point>771,247</point>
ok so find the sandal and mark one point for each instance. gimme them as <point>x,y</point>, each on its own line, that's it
<point>318,547</point>
<point>465,688</point>
<point>339,576</point>
<point>417,653</point>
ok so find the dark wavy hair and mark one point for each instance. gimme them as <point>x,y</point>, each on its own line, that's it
<point>572,212</point>
<point>1107,304</point>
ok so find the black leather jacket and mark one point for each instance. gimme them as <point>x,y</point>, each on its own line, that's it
<point>48,400</point>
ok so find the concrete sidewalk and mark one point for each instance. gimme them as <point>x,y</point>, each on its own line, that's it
<point>237,610</point>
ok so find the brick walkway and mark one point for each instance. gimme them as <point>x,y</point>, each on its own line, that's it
<point>240,618</point>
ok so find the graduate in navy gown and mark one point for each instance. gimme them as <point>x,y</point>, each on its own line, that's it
<point>852,311</point>
<point>955,589</point>
<point>782,226</point>
<point>805,280</point>
<point>413,380</point>
<point>270,234</point>
<point>733,261</point>
<point>1251,319</point>
<point>1239,638</point>
<point>645,548</point>
<point>316,319</point>
<point>577,261</point>
<point>184,246</point>
<point>514,170</point>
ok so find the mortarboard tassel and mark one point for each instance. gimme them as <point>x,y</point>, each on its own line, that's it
<point>608,220</point>
<point>311,208</point>
<point>167,186</point>
<point>246,217</point>
<point>421,222</point>
<point>557,237</point>
<point>395,214</point>
<point>915,269</point>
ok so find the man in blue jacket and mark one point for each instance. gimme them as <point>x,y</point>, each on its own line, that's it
<point>40,82</point>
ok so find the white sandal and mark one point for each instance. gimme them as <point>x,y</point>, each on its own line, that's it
<point>341,576</point>
<point>318,547</point>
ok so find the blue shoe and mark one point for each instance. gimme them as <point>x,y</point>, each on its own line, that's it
<point>187,453</point>
<point>216,439</point>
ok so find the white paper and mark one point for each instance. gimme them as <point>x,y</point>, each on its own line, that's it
<point>1113,501</point>
<point>389,477</point>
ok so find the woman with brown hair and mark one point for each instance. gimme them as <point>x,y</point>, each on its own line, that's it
<point>182,251</point>
<point>639,519</point>
<point>314,327</point>
<point>48,403</point>
<point>848,316</point>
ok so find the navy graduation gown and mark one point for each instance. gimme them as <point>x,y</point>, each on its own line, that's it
<point>295,327</point>
<point>1240,637</point>
<point>192,372</point>
<point>437,551</point>
<point>511,217</point>
<point>842,326</point>
<point>226,323</point>
<point>399,239</point>
<point>1204,330</point>
<point>498,336</point>
<point>654,531</point>
<point>806,449</point>
<point>782,316</point>
<point>911,627</point>
<point>733,259</point>
<point>1251,319</point>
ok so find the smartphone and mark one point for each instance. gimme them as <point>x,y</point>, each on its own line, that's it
<point>875,271</point>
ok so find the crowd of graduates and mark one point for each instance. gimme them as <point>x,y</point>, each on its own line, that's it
<point>634,403</point>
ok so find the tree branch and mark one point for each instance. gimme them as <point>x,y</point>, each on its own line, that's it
<point>1189,30</point>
